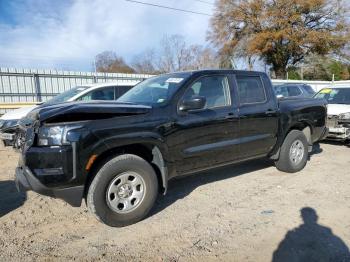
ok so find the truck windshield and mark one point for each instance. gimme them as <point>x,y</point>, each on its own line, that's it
<point>335,95</point>
<point>66,95</point>
<point>154,91</point>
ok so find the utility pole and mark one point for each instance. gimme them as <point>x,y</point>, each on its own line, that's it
<point>95,76</point>
<point>302,72</point>
<point>95,65</point>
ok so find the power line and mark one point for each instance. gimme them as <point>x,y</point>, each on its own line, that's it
<point>37,57</point>
<point>205,2</point>
<point>168,7</point>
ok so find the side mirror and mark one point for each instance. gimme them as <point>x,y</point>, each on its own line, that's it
<point>193,103</point>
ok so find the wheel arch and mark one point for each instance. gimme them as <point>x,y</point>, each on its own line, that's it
<point>151,152</point>
<point>303,126</point>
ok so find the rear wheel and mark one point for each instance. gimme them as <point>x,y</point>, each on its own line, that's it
<point>294,152</point>
<point>123,191</point>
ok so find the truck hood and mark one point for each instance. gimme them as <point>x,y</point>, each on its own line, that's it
<point>81,111</point>
<point>17,113</point>
<point>337,109</point>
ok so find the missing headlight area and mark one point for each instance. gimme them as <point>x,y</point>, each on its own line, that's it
<point>8,123</point>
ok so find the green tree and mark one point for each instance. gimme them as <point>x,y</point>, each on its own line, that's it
<point>293,73</point>
<point>282,32</point>
<point>323,68</point>
<point>345,73</point>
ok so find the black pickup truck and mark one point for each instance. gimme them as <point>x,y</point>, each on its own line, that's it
<point>120,155</point>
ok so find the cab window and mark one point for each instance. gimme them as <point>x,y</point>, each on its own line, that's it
<point>215,89</point>
<point>250,89</point>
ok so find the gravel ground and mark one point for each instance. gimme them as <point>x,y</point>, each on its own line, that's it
<point>248,212</point>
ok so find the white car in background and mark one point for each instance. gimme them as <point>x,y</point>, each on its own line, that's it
<point>338,122</point>
<point>101,91</point>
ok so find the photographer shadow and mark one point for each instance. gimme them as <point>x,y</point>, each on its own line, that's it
<point>311,242</point>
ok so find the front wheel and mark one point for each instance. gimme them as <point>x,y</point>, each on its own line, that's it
<point>123,191</point>
<point>294,152</point>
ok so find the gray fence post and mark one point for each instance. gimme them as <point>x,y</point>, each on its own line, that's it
<point>37,88</point>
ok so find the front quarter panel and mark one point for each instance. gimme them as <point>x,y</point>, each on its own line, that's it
<point>150,129</point>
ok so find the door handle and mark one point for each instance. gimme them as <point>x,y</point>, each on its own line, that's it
<point>270,112</point>
<point>231,116</point>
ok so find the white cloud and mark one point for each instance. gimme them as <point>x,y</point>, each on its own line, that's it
<point>70,35</point>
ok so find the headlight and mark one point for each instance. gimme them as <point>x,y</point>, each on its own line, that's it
<point>54,135</point>
<point>345,116</point>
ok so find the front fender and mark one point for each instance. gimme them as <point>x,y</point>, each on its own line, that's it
<point>156,141</point>
<point>144,138</point>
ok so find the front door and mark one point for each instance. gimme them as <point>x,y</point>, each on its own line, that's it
<point>207,137</point>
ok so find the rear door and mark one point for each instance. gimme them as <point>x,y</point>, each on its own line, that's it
<point>257,115</point>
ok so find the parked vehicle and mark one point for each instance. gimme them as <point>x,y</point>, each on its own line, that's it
<point>119,155</point>
<point>294,90</point>
<point>338,99</point>
<point>102,91</point>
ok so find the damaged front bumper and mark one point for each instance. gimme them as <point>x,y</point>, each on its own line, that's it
<point>339,133</point>
<point>50,171</point>
<point>25,181</point>
<point>339,129</point>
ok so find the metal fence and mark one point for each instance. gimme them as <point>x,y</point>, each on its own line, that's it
<point>32,85</point>
<point>20,87</point>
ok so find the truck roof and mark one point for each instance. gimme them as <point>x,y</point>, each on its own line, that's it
<point>222,71</point>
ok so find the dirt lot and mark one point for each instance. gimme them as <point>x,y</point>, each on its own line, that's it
<point>239,213</point>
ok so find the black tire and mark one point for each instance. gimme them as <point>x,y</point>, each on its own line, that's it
<point>97,193</point>
<point>285,162</point>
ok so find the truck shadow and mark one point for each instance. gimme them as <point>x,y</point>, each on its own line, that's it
<point>311,242</point>
<point>10,198</point>
<point>316,149</point>
<point>336,143</point>
<point>183,186</point>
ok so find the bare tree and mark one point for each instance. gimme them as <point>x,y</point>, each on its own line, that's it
<point>202,58</point>
<point>109,62</point>
<point>174,54</point>
<point>145,63</point>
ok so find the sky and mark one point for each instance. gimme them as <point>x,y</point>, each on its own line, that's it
<point>68,34</point>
